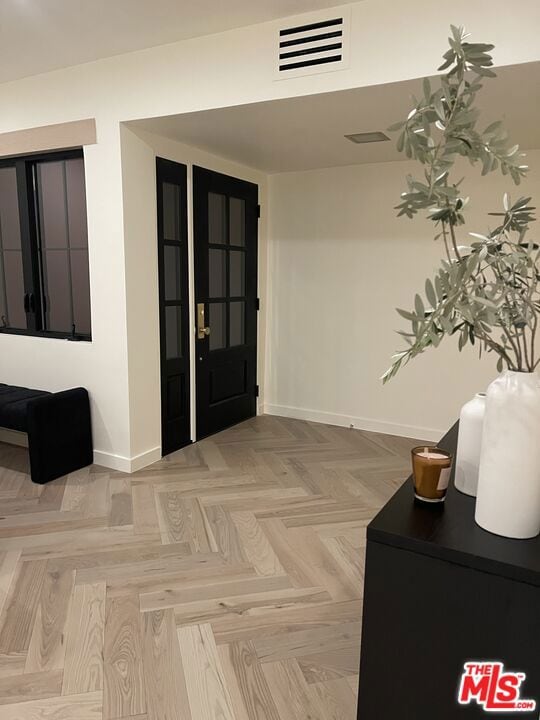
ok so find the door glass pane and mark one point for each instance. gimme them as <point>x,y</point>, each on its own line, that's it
<point>58,293</point>
<point>217,218</point>
<point>217,320</point>
<point>217,269</point>
<point>172,276</point>
<point>12,313</point>
<point>171,212</point>
<point>173,332</point>
<point>236,319</point>
<point>237,221</point>
<point>237,273</point>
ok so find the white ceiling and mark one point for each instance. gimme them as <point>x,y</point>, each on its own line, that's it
<point>41,35</point>
<point>303,133</point>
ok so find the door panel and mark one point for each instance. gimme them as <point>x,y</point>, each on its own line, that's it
<point>173,304</point>
<point>225,239</point>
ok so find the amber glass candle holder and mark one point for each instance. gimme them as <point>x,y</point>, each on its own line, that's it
<point>431,473</point>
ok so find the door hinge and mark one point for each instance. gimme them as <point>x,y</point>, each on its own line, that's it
<point>256,391</point>
<point>257,304</point>
<point>258,211</point>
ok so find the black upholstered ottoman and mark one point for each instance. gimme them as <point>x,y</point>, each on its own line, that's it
<point>58,426</point>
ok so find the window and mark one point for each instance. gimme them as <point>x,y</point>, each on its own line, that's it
<point>44,283</point>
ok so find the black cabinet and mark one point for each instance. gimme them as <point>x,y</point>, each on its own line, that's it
<point>439,592</point>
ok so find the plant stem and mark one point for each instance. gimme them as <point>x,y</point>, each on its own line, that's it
<point>484,337</point>
<point>454,243</point>
<point>533,338</point>
<point>445,237</point>
<point>514,344</point>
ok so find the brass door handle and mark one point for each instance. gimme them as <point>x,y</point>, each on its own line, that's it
<point>202,329</point>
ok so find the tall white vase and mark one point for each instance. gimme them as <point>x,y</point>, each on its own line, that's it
<point>508,500</point>
<point>471,422</point>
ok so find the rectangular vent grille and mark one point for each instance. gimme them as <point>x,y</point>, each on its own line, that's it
<point>312,46</point>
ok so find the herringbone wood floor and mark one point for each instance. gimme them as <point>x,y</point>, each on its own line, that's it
<point>221,583</point>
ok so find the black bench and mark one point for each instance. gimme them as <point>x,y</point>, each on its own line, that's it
<point>58,426</point>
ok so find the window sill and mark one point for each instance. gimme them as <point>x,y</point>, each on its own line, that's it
<point>52,335</point>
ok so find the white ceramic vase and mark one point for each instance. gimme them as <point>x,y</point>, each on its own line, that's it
<point>471,422</point>
<point>508,498</point>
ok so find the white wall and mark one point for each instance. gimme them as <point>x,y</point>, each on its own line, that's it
<point>231,68</point>
<point>100,366</point>
<point>339,263</point>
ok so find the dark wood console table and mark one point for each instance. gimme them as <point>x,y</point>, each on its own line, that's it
<point>440,591</point>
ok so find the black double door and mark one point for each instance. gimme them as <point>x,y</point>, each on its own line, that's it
<point>225,218</point>
<point>225,214</point>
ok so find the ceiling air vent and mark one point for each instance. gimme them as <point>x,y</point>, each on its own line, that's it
<point>313,46</point>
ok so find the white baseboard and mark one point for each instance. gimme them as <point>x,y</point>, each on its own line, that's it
<point>359,423</point>
<point>108,460</point>
<point>125,464</point>
<point>13,437</point>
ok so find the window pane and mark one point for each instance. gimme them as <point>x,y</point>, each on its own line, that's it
<point>3,297</point>
<point>14,290</point>
<point>63,241</point>
<point>217,218</point>
<point>217,269</point>
<point>237,221</point>
<point>218,325</point>
<point>237,273</point>
<point>173,332</point>
<point>12,313</point>
<point>10,230</point>
<point>76,203</point>
<point>237,330</point>
<point>58,294</point>
<point>52,204</point>
<point>81,291</point>
<point>171,212</point>
<point>172,274</point>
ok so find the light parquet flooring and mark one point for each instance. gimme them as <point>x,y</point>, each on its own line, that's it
<point>222,583</point>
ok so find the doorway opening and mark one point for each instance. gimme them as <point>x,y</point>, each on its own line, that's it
<point>225,218</point>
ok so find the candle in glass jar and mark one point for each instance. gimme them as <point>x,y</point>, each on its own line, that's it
<point>431,473</point>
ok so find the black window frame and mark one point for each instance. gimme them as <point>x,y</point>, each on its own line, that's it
<point>34,285</point>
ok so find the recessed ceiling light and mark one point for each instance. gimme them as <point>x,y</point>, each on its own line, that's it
<point>367,137</point>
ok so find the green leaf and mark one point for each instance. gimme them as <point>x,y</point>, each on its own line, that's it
<point>446,324</point>
<point>419,306</point>
<point>406,314</point>
<point>481,237</point>
<point>430,293</point>
<point>446,64</point>
<point>439,288</point>
<point>486,302</point>
<point>493,127</point>
<point>439,108</point>
<point>456,32</point>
